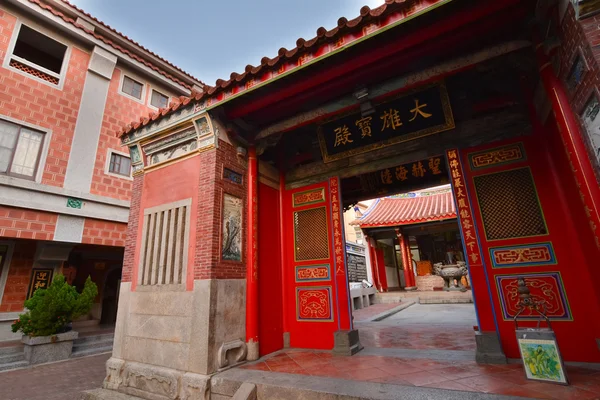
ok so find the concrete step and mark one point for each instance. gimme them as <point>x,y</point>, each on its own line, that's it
<point>10,358</point>
<point>104,394</point>
<point>276,385</point>
<point>93,338</point>
<point>13,365</point>
<point>91,345</point>
<point>90,352</point>
<point>11,350</point>
<point>445,300</point>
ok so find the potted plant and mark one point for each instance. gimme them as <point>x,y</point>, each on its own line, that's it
<point>46,326</point>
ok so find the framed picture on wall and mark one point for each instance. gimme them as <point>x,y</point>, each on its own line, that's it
<point>590,118</point>
<point>577,72</point>
<point>231,249</point>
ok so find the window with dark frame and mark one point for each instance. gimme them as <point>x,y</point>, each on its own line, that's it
<point>119,164</point>
<point>132,87</point>
<point>159,100</point>
<point>20,149</point>
<point>36,54</point>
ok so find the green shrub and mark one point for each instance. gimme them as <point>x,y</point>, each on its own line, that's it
<point>50,310</point>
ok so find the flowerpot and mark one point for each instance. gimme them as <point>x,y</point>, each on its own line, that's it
<point>44,349</point>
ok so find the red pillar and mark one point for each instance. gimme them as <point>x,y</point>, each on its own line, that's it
<point>409,276</point>
<point>284,288</point>
<point>571,136</point>
<point>374,270</point>
<point>405,245</point>
<point>252,258</point>
<point>380,262</point>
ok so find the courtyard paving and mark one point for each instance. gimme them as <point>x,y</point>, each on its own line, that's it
<point>430,346</point>
<point>58,381</point>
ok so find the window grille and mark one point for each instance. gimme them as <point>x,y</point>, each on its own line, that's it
<point>163,257</point>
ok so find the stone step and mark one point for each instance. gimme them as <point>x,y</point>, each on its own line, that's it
<point>445,300</point>
<point>93,338</point>
<point>91,352</point>
<point>104,394</point>
<point>276,385</point>
<point>92,345</point>
<point>11,350</point>
<point>10,358</point>
<point>13,365</point>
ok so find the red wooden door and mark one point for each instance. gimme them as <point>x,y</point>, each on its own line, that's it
<point>525,230</point>
<point>315,279</point>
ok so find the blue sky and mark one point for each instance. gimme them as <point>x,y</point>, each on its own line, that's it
<point>212,38</point>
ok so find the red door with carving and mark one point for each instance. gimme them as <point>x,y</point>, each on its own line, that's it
<point>316,291</point>
<point>524,230</point>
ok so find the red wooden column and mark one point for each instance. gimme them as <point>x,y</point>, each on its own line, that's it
<point>252,258</point>
<point>409,276</point>
<point>571,136</point>
<point>372,257</point>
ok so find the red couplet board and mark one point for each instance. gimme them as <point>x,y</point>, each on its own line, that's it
<point>315,280</point>
<point>525,229</point>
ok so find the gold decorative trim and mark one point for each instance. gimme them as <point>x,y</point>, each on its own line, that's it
<point>320,192</point>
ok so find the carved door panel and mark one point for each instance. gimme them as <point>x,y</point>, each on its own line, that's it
<point>315,273</point>
<point>525,230</point>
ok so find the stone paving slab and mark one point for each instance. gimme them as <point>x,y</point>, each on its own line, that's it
<point>57,381</point>
<point>274,385</point>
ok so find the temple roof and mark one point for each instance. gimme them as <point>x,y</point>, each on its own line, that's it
<point>347,32</point>
<point>409,208</point>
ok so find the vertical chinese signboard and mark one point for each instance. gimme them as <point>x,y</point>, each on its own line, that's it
<point>464,210</point>
<point>40,279</point>
<point>477,273</point>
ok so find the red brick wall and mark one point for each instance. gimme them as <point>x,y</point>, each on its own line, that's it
<point>118,112</point>
<point>26,224</point>
<point>208,263</point>
<point>581,35</point>
<point>132,228</point>
<point>40,104</point>
<point>19,274</point>
<point>104,233</point>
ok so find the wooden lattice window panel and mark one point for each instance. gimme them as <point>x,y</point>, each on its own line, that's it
<point>311,239</point>
<point>163,257</point>
<point>509,205</point>
<point>32,71</point>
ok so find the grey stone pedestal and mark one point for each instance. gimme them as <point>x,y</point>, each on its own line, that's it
<point>346,343</point>
<point>489,349</point>
<point>44,349</point>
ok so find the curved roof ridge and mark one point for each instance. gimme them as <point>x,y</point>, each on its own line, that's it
<point>302,46</point>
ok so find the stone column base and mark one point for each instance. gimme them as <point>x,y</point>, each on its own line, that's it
<point>489,349</point>
<point>346,343</point>
<point>154,383</point>
<point>410,288</point>
<point>286,340</point>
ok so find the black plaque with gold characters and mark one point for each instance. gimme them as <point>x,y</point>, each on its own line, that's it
<point>431,171</point>
<point>419,113</point>
<point>40,279</point>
